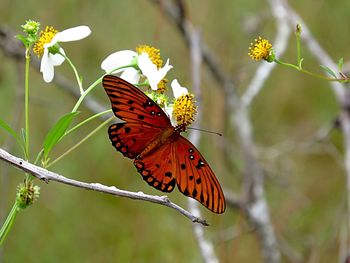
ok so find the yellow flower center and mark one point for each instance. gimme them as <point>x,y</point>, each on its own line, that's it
<point>184,109</point>
<point>261,49</point>
<point>162,86</point>
<point>153,53</point>
<point>45,37</point>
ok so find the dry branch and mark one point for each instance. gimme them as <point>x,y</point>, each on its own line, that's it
<point>48,176</point>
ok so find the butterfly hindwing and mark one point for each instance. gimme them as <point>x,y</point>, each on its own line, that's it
<point>195,178</point>
<point>158,169</point>
<point>131,138</point>
<point>179,161</point>
<point>131,104</point>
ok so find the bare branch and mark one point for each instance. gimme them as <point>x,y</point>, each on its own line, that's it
<point>47,176</point>
<point>205,245</point>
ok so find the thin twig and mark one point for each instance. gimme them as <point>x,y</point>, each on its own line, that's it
<point>48,176</point>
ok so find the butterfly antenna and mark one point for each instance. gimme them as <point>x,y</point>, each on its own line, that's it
<point>212,132</point>
<point>198,129</point>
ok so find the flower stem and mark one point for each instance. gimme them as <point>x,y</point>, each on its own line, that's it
<point>26,103</point>
<point>6,227</point>
<point>86,92</point>
<point>75,73</point>
<point>79,143</point>
<point>93,85</point>
<point>307,72</point>
<point>297,33</point>
<point>87,120</point>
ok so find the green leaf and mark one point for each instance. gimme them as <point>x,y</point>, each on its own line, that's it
<point>328,71</point>
<point>340,64</point>
<point>57,132</point>
<point>23,39</point>
<point>7,128</point>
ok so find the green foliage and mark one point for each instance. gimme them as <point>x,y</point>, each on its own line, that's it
<point>7,128</point>
<point>329,71</point>
<point>57,132</point>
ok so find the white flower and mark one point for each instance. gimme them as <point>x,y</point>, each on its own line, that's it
<point>184,108</point>
<point>121,59</point>
<point>139,64</point>
<point>47,43</point>
<point>151,72</point>
<point>178,91</point>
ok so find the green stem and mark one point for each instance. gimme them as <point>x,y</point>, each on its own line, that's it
<point>93,85</point>
<point>75,73</point>
<point>307,72</point>
<point>298,32</point>
<point>26,103</point>
<point>80,142</point>
<point>6,227</point>
<point>87,120</point>
<point>86,92</point>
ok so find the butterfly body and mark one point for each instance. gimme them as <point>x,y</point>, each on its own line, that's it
<point>162,156</point>
<point>167,135</point>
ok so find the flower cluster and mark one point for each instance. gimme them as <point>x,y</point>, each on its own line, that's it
<point>144,67</point>
<point>141,67</point>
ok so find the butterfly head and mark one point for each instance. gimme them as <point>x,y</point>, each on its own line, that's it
<point>180,128</point>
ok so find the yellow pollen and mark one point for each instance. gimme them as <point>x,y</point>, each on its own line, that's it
<point>184,109</point>
<point>261,49</point>
<point>162,86</point>
<point>45,37</point>
<point>153,53</point>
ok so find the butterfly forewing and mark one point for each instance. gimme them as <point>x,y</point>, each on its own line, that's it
<point>132,105</point>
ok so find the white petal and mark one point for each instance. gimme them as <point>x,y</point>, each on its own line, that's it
<point>117,60</point>
<point>178,91</point>
<point>169,111</point>
<point>150,70</point>
<point>57,59</point>
<point>146,65</point>
<point>131,75</point>
<point>47,67</point>
<point>71,34</point>
<point>164,70</point>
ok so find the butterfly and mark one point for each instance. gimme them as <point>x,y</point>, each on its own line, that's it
<point>161,155</point>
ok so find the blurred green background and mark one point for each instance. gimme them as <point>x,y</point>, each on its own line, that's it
<point>305,179</point>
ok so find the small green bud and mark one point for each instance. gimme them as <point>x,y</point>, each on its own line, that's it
<point>31,27</point>
<point>27,194</point>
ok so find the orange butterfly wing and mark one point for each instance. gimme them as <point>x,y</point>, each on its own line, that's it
<point>158,168</point>
<point>131,105</point>
<point>131,138</point>
<point>176,161</point>
<point>180,161</point>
